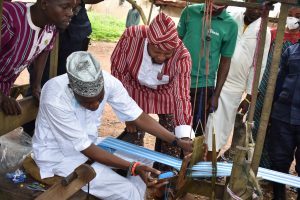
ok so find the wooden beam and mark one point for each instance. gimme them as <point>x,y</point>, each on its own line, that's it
<point>258,62</point>
<point>54,58</point>
<point>83,175</point>
<point>16,90</point>
<point>10,122</point>
<point>265,114</point>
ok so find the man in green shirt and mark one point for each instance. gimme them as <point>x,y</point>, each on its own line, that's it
<point>223,35</point>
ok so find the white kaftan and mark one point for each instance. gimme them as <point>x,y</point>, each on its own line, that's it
<point>239,79</point>
<point>64,129</point>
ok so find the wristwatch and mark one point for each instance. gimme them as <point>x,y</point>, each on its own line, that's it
<point>175,142</point>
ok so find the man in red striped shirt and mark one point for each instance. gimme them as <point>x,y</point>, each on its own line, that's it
<point>27,35</point>
<point>154,66</point>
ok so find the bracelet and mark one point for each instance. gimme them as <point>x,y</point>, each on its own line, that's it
<point>247,101</point>
<point>130,168</point>
<point>134,167</point>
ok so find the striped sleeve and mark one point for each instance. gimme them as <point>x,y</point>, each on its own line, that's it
<point>118,60</point>
<point>182,81</point>
<point>6,30</point>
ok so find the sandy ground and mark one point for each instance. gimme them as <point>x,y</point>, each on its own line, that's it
<point>111,126</point>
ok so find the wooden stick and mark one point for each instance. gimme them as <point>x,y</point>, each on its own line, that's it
<point>270,89</point>
<point>85,173</point>
<point>150,12</point>
<point>262,39</point>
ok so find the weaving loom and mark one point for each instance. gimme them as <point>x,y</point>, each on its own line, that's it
<point>200,169</point>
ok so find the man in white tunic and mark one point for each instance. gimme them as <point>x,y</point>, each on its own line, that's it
<point>240,76</point>
<point>66,129</point>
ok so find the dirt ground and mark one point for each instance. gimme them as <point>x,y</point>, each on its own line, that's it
<point>111,126</point>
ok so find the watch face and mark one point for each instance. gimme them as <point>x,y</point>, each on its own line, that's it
<point>174,143</point>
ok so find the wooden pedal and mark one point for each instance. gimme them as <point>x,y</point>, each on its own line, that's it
<point>70,184</point>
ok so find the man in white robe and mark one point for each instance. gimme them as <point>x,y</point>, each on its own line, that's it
<point>240,76</point>
<point>66,130</point>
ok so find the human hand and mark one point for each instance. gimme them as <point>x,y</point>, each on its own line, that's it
<point>186,144</point>
<point>212,104</point>
<point>130,127</point>
<point>147,174</point>
<point>244,106</point>
<point>9,105</point>
<point>36,93</point>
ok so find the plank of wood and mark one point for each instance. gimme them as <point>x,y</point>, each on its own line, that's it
<point>16,90</point>
<point>85,173</point>
<point>12,191</point>
<point>10,122</point>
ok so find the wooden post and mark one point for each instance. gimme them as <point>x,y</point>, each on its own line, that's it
<point>270,89</point>
<point>54,58</point>
<point>10,122</point>
<point>260,54</point>
<point>150,12</point>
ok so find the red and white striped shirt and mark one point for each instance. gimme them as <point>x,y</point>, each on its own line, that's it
<point>21,42</point>
<point>172,98</point>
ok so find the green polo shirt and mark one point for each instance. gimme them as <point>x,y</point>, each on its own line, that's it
<point>223,38</point>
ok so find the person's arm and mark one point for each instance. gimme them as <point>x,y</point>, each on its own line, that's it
<point>63,123</point>
<point>127,110</point>
<point>37,73</point>
<point>227,50</point>
<point>223,70</point>
<point>181,27</point>
<point>181,93</point>
<point>283,72</point>
<point>151,126</point>
<point>244,105</point>
<point>10,106</point>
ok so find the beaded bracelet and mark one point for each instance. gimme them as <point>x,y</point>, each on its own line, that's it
<point>130,168</point>
<point>134,167</point>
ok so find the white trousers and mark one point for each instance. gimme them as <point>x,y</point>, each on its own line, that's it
<point>223,119</point>
<point>108,185</point>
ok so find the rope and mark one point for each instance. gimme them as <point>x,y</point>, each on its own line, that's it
<point>204,42</point>
<point>232,195</point>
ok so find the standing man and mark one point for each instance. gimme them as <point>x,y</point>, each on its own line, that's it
<point>222,43</point>
<point>66,130</point>
<point>133,17</point>
<point>27,35</point>
<point>240,76</point>
<point>285,118</point>
<point>154,67</point>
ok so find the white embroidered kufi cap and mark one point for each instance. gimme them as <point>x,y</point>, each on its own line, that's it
<point>85,74</point>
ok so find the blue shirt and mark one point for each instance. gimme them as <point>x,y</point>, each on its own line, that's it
<point>286,106</point>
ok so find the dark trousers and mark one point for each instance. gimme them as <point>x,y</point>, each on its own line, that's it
<point>198,100</point>
<point>284,145</point>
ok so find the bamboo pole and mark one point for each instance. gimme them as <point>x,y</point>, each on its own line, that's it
<point>262,39</point>
<point>270,89</point>
<point>150,12</point>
